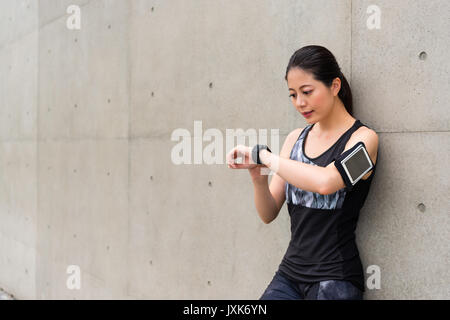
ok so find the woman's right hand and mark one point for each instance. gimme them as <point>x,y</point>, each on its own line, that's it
<point>256,175</point>
<point>246,153</point>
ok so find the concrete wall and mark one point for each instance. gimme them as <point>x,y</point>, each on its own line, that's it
<point>85,143</point>
<point>18,147</point>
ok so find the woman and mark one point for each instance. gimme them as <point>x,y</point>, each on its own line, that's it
<point>322,260</point>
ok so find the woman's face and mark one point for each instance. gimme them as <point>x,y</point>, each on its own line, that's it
<point>308,94</point>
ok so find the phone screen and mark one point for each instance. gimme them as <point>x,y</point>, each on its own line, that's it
<point>358,164</point>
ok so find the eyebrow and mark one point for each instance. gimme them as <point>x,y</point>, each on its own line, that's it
<point>305,85</point>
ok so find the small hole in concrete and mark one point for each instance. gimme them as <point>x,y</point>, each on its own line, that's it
<point>209,184</point>
<point>75,170</point>
<point>150,262</point>
<point>421,207</point>
<point>109,26</point>
<point>76,106</point>
<point>151,177</point>
<point>107,247</point>
<point>422,55</point>
<point>209,283</point>
<point>153,9</point>
<point>109,100</point>
<point>153,94</point>
<point>109,174</point>
<point>210,84</point>
<point>74,235</point>
<point>76,40</point>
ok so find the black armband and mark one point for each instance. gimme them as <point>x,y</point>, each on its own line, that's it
<point>353,164</point>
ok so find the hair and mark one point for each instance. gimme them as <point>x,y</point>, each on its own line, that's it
<point>322,64</point>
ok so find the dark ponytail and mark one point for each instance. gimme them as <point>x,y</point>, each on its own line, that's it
<point>322,64</point>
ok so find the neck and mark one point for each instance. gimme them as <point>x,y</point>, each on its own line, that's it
<point>337,121</point>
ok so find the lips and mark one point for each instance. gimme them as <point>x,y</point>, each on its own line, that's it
<point>307,114</point>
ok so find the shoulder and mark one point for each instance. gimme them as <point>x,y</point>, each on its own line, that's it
<point>370,139</point>
<point>294,134</point>
<point>366,135</point>
<point>289,142</point>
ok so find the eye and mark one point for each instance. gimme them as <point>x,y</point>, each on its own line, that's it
<point>304,92</point>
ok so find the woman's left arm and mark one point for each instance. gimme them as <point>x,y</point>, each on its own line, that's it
<point>323,180</point>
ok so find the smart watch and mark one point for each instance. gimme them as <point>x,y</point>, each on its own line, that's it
<point>255,152</point>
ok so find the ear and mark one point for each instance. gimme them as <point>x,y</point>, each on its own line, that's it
<point>336,86</point>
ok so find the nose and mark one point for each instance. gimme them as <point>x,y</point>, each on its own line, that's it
<point>300,102</point>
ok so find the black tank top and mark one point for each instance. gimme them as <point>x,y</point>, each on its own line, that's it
<point>323,245</point>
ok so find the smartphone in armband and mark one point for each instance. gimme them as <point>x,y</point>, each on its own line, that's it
<point>353,164</point>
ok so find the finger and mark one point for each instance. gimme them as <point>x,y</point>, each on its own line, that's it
<point>236,153</point>
<point>232,161</point>
<point>242,150</point>
<point>240,166</point>
<point>241,153</point>
<point>231,155</point>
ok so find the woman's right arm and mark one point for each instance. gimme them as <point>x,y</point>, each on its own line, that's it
<point>270,199</point>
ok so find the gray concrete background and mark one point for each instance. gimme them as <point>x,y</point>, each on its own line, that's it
<point>86,118</point>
